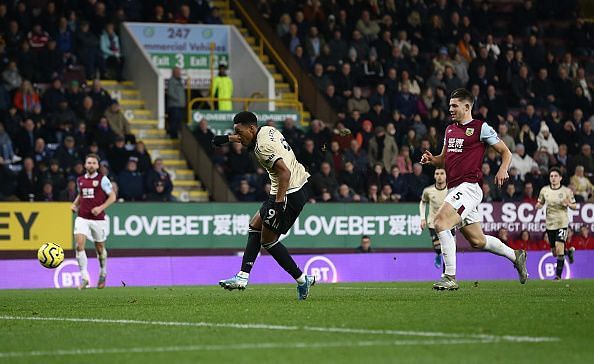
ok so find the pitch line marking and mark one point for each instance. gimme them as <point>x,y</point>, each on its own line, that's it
<point>245,346</point>
<point>341,330</point>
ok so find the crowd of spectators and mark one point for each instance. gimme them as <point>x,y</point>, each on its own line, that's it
<point>580,239</point>
<point>50,118</point>
<point>388,67</point>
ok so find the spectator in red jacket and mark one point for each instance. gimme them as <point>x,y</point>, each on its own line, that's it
<point>583,240</point>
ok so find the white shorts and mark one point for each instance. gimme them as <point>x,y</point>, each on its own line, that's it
<point>94,230</point>
<point>465,199</point>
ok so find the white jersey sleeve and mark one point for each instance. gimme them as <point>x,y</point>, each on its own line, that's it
<point>106,185</point>
<point>489,135</point>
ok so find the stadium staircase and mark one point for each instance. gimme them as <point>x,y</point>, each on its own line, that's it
<point>281,84</point>
<point>159,145</point>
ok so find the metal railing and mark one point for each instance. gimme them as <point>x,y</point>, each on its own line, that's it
<point>247,101</point>
<point>263,45</point>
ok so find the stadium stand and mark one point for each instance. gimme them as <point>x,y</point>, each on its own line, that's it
<point>387,68</point>
<point>52,116</point>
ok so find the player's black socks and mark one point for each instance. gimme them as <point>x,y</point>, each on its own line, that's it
<point>560,263</point>
<point>280,253</point>
<point>252,249</point>
<point>437,250</point>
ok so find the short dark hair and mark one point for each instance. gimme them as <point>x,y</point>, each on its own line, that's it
<point>93,155</point>
<point>365,237</point>
<point>246,118</point>
<point>555,169</point>
<point>462,94</point>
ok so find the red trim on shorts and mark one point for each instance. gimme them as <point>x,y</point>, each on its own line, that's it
<point>461,210</point>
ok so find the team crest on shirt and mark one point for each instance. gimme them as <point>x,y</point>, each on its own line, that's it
<point>95,183</point>
<point>469,131</point>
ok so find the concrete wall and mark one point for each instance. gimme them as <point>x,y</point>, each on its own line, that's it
<point>248,73</point>
<point>139,68</point>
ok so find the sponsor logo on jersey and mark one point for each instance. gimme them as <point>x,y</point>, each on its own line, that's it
<point>469,131</point>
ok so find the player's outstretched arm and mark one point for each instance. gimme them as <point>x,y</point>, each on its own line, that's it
<point>506,156</point>
<point>219,140</point>
<point>436,161</point>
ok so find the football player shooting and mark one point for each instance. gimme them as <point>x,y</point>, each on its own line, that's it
<point>287,197</point>
<point>464,147</point>
<point>95,194</point>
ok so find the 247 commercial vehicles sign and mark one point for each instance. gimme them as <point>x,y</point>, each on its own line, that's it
<point>184,46</point>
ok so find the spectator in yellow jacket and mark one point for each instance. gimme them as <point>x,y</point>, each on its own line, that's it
<point>222,88</point>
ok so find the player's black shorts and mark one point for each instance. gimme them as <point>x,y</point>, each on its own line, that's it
<point>295,203</point>
<point>435,237</point>
<point>557,235</point>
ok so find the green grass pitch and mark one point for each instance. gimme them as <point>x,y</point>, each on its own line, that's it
<point>484,322</point>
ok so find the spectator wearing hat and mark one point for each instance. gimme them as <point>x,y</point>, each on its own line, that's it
<point>130,182</point>
<point>545,140</point>
<point>103,135</point>
<point>158,174</point>
<point>118,155</point>
<point>144,158</point>
<point>118,122</point>
<point>55,175</point>
<point>176,102</point>
<point>159,194</point>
